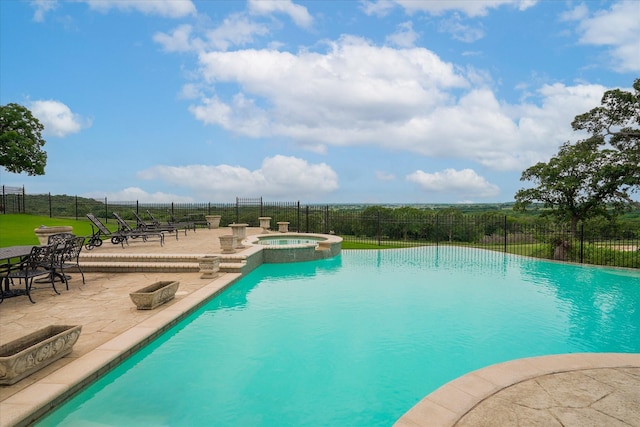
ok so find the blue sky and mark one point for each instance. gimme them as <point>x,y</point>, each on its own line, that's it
<point>383,101</point>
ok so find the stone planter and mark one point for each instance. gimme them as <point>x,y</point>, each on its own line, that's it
<point>43,232</point>
<point>24,356</point>
<point>154,295</point>
<point>228,243</point>
<point>283,227</point>
<point>209,266</point>
<point>213,220</point>
<point>265,223</point>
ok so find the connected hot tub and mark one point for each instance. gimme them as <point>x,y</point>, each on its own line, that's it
<point>295,247</point>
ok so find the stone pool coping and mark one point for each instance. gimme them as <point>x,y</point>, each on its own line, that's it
<point>562,390</point>
<point>32,402</point>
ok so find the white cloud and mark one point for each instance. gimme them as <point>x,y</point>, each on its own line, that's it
<point>469,8</point>
<point>299,14</point>
<point>463,183</point>
<point>41,8</point>
<point>399,99</point>
<point>166,8</point>
<point>405,36</point>
<point>235,30</point>
<point>57,118</point>
<point>385,176</point>
<point>617,28</point>
<point>459,31</point>
<point>132,194</point>
<point>280,177</point>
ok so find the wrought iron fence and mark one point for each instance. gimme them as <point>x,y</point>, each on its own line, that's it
<point>592,243</point>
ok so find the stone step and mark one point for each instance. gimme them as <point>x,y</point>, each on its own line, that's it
<point>130,263</point>
<point>154,267</point>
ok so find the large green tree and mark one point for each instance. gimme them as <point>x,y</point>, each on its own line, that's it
<point>21,141</point>
<point>596,176</point>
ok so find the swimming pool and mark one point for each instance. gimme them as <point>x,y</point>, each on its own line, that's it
<point>360,338</point>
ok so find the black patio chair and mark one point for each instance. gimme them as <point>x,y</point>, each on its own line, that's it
<point>69,257</point>
<point>100,231</point>
<point>186,225</point>
<point>40,262</point>
<point>134,233</point>
<point>141,224</point>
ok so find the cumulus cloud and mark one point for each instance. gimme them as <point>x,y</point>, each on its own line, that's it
<point>279,177</point>
<point>299,14</point>
<point>131,194</point>
<point>405,36</point>
<point>617,28</point>
<point>41,8</point>
<point>463,183</point>
<point>57,118</point>
<point>166,8</point>
<point>469,8</point>
<point>401,99</point>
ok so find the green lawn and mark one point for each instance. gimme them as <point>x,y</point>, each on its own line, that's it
<point>17,229</point>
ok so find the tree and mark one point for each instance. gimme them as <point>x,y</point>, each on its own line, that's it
<point>596,176</point>
<point>21,141</point>
<point>578,183</point>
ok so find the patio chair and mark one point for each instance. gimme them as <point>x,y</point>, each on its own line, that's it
<point>141,224</point>
<point>186,225</point>
<point>39,263</point>
<point>69,257</point>
<point>59,239</point>
<point>134,233</point>
<point>100,230</point>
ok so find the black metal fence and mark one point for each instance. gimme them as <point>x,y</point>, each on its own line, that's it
<point>613,244</point>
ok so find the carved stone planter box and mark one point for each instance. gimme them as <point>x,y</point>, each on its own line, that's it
<point>154,295</point>
<point>213,220</point>
<point>24,356</point>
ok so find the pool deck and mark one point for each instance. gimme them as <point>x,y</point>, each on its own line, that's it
<point>563,390</point>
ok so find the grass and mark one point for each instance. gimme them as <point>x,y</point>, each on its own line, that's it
<point>17,229</point>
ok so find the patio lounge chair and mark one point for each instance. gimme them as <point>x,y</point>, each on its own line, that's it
<point>194,223</point>
<point>134,233</point>
<point>184,224</point>
<point>101,231</point>
<point>141,224</point>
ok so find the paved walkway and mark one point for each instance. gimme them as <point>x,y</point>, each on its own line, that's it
<point>570,390</point>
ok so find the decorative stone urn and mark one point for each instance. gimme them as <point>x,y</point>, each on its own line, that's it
<point>24,356</point>
<point>213,220</point>
<point>209,266</point>
<point>154,295</point>
<point>283,227</point>
<point>265,223</point>
<point>43,232</point>
<point>228,243</point>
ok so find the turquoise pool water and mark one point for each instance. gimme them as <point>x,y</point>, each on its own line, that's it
<point>357,340</point>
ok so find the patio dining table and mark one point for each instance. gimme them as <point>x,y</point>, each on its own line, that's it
<point>6,255</point>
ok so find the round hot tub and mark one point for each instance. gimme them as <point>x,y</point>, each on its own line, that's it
<point>294,247</point>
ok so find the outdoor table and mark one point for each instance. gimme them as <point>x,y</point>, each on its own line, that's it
<point>7,254</point>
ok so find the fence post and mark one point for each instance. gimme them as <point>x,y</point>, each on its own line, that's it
<point>505,233</point>
<point>76,207</point>
<point>106,209</point>
<point>378,228</point>
<point>50,210</point>
<point>581,242</point>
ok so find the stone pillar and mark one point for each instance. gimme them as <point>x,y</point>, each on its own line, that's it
<point>265,223</point>
<point>283,227</point>
<point>228,243</point>
<point>240,231</point>
<point>209,266</point>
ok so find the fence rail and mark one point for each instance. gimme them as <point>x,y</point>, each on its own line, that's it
<point>383,227</point>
